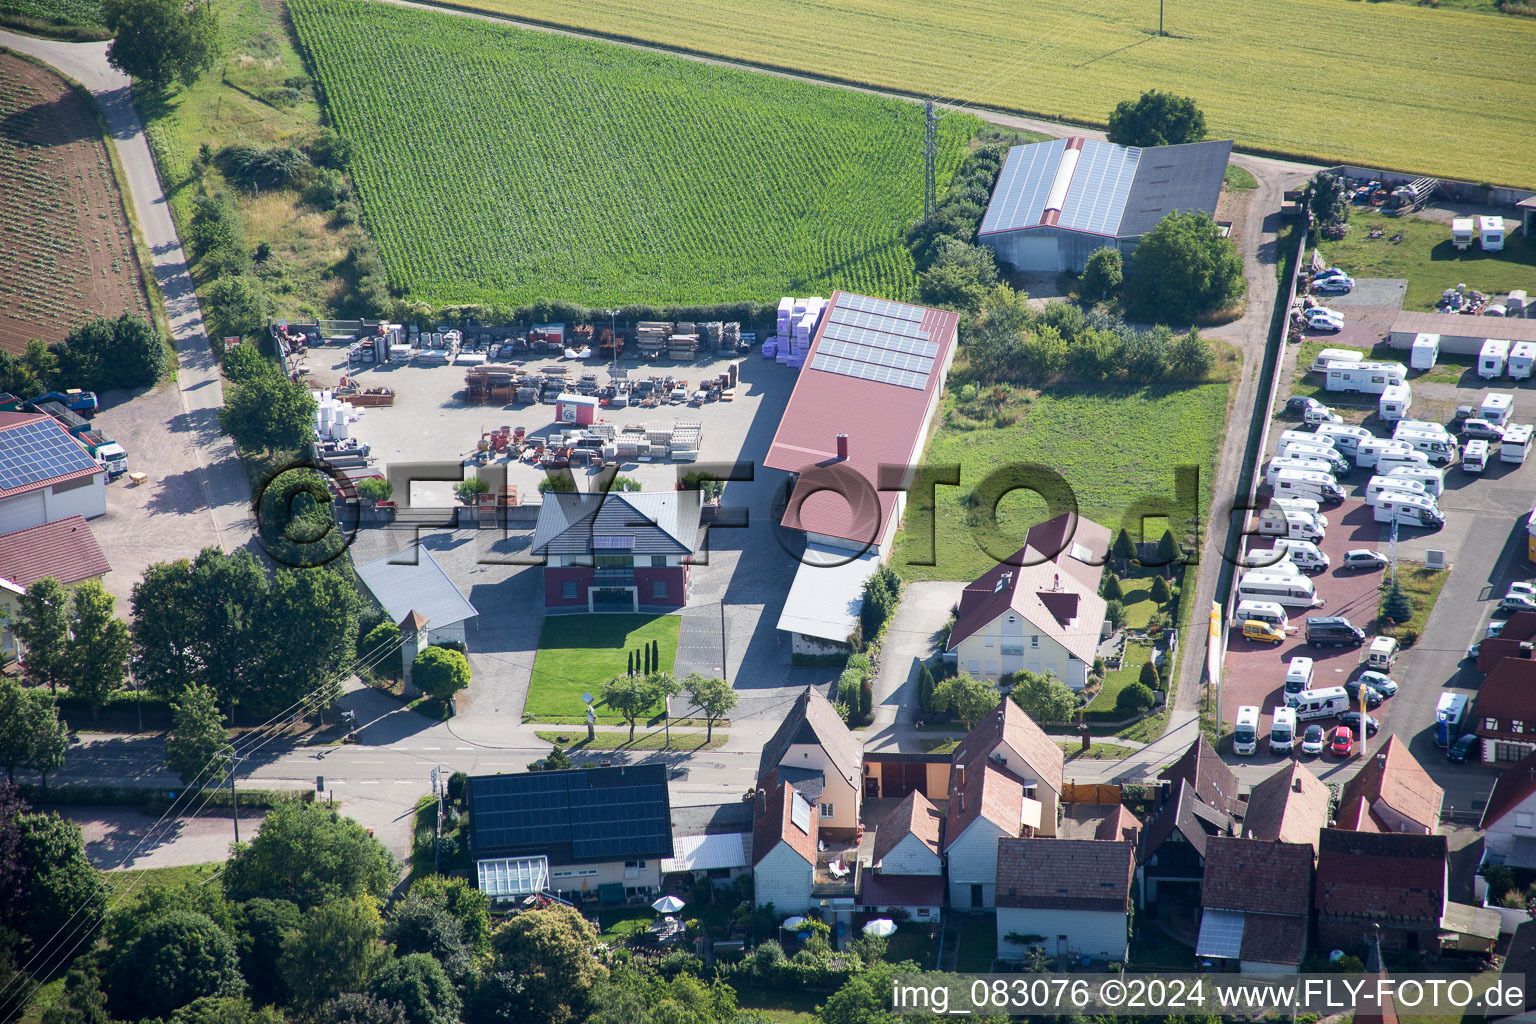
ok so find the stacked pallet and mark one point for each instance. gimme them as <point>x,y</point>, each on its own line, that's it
<point>684,442</point>
<point>709,335</point>
<point>650,337</point>
<point>730,336</point>
<point>798,320</point>
<point>683,347</point>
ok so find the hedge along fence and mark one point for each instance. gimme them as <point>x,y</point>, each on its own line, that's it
<point>156,799</point>
<point>761,315</point>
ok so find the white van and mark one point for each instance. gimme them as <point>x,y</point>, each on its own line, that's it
<point>1281,463</point>
<point>1424,351</point>
<point>1314,450</point>
<point>1436,446</point>
<point>1433,479</point>
<point>1373,449</point>
<point>1394,403</point>
<point>1380,485</point>
<point>1245,732</point>
<point>1346,437</point>
<point>1298,674</point>
<point>1290,591</point>
<point>1326,702</point>
<point>1319,487</point>
<point>1304,554</point>
<point>1409,510</point>
<point>1336,355</point>
<point>1491,358</point>
<point>1262,611</point>
<point>1282,731</point>
<point>1280,522</point>
<point>1497,407</point>
<point>1382,653</point>
<point>1474,457</point>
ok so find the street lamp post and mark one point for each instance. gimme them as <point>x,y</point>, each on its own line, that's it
<point>613,338</point>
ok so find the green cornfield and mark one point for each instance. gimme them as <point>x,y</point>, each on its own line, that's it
<point>504,166</point>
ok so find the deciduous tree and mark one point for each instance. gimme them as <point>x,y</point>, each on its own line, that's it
<point>1183,268</point>
<point>1189,357</point>
<point>61,886</point>
<point>1156,119</point>
<point>631,697</point>
<point>157,41</point>
<point>713,696</point>
<point>549,951</point>
<point>269,414</point>
<point>420,985</point>
<point>100,646</point>
<point>335,949</point>
<point>440,672</point>
<point>197,749</point>
<point>967,698</point>
<point>307,853</point>
<point>1043,697</point>
<point>1103,274</point>
<point>42,625</point>
<point>178,958</point>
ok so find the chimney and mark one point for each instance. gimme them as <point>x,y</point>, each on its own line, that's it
<point>960,776</point>
<point>1381,759</point>
<point>762,801</point>
<point>1056,583</point>
<point>1296,784</point>
<point>962,801</point>
<point>842,447</point>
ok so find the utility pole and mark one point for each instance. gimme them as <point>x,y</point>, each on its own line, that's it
<point>437,840</point>
<point>930,130</point>
<point>234,800</point>
<point>724,673</point>
<point>1392,567</point>
<point>1160,18</point>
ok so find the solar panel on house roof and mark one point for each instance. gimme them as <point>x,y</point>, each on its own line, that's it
<point>39,450</point>
<point>573,816</point>
<point>601,543</point>
<point>1221,934</point>
<point>878,340</point>
<point>1100,186</point>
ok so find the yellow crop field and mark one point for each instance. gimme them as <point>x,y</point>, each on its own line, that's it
<point>1445,92</point>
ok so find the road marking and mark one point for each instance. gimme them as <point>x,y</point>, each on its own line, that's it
<point>463,748</point>
<point>397,748</point>
<point>431,748</point>
<point>403,782</point>
<point>369,782</point>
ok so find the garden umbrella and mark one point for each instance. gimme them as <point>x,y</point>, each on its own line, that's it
<point>793,923</point>
<point>668,905</point>
<point>883,927</point>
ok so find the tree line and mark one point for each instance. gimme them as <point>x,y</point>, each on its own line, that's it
<point>102,354</point>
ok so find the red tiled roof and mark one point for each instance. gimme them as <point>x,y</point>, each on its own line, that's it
<point>914,816</point>
<point>1206,773</point>
<point>1273,939</point>
<point>1393,777</point>
<point>65,550</point>
<point>772,823</point>
<point>11,420</point>
<point>1355,815</point>
<point>882,890</point>
<point>1511,790</point>
<point>1011,724</point>
<point>1119,823</point>
<point>1390,877</point>
<point>885,424</point>
<point>1257,876</point>
<point>987,793</point>
<point>1291,806</point>
<point>1508,692</point>
<point>1065,874</point>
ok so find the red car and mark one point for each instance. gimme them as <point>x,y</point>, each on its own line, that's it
<point>1343,742</point>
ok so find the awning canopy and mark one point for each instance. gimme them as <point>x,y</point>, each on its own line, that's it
<point>1221,934</point>
<point>828,593</point>
<point>513,876</point>
<point>707,853</point>
<point>1031,813</point>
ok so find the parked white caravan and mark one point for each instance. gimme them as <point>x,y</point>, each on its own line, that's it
<point>1409,510</point>
<point>1516,445</point>
<point>1474,457</point>
<point>1314,449</point>
<point>1280,464</point>
<point>1303,554</point>
<point>1492,231</point>
<point>1420,426</point>
<point>1393,460</point>
<point>1346,437</point>
<point>1296,483</point>
<point>1497,407</point>
<point>1394,402</point>
<point>1282,731</point>
<point>1436,445</point>
<point>1280,522</point>
<point>1282,589</point>
<point>1380,485</point>
<point>1491,360</point>
<point>1325,702</point>
<point>1370,451</point>
<point>1262,611</point>
<point>1522,358</point>
<point>1306,505</point>
<point>1306,437</point>
<point>1424,351</point>
<point>1245,732</point>
<point>1369,378</point>
<point>1433,479</point>
<point>1343,356</point>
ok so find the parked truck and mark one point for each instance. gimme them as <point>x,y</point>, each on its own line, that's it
<point>75,400</point>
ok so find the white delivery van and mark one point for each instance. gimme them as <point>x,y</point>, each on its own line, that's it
<point>1282,731</point>
<point>1424,351</point>
<point>1516,444</point>
<point>1317,415</point>
<point>1392,460</point>
<point>1382,653</point>
<point>1372,450</point>
<point>1245,731</point>
<point>1315,450</point>
<point>1436,446</point>
<point>1319,487</point>
<point>1491,359</point>
<point>1282,463</point>
<point>1380,485</point>
<point>1409,510</point>
<point>1262,611</point>
<point>1474,457</point>
<point>1497,407</point>
<point>1346,437</point>
<point>1298,674</point>
<point>1280,522</point>
<point>1304,554</point>
<point>1433,479</point>
<point>1342,356</point>
<point>1325,702</point>
<point>1522,354</point>
<point>1290,591</point>
<point>1394,402</point>
<point>1367,378</point>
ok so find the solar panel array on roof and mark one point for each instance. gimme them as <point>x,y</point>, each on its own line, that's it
<point>574,816</point>
<point>39,450</point>
<point>1022,186</point>
<point>601,543</point>
<point>1100,185</point>
<point>878,340</point>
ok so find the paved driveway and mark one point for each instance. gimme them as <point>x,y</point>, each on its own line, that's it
<point>910,639</point>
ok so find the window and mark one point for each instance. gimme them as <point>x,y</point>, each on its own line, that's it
<point>991,668</point>
<point>1522,820</point>
<point>637,890</point>
<point>658,561</point>
<point>658,588</point>
<point>1034,641</point>
<point>1490,723</point>
<point>1013,650</point>
<point>828,810</point>
<point>1511,751</point>
<point>922,911</point>
<point>637,864</point>
<point>568,590</point>
<point>973,666</point>
<point>575,873</point>
<point>1517,726</point>
<point>989,639</point>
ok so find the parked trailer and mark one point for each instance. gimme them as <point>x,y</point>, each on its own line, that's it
<point>1281,588</point>
<point>1492,358</point>
<point>1424,351</point>
<point>1394,402</point>
<point>1497,406</point>
<point>1433,479</point>
<point>1522,359</point>
<point>1409,510</point>
<point>1280,464</point>
<point>1491,232</point>
<point>1319,487</point>
<point>1368,378</point>
<point>1516,445</point>
<point>1328,356</point>
<point>1346,437</point>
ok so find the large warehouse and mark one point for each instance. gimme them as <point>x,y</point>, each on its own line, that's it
<point>1056,202</point>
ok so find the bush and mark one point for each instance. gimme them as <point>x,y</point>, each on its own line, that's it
<point>253,169</point>
<point>1136,697</point>
<point>1114,611</point>
<point>328,189</point>
<point>1103,274</point>
<point>328,149</point>
<point>1149,677</point>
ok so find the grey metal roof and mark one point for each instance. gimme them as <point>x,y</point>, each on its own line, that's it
<point>1172,178</point>
<point>659,522</point>
<point>423,587</point>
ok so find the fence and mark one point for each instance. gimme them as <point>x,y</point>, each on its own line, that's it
<point>1456,191</point>
<point>1089,793</point>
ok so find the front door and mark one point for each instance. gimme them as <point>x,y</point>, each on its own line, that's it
<point>976,897</point>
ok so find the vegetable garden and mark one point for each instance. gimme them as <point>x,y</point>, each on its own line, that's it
<point>503,166</point>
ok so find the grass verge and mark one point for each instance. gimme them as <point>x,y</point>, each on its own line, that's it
<point>170,878</point>
<point>1095,752</point>
<point>1239,180</point>
<point>1423,588</point>
<point>579,653</point>
<point>687,741</point>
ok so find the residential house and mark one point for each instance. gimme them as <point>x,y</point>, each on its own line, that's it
<point>985,804</point>
<point>1391,793</point>
<point>1098,821</point>
<point>711,841</point>
<point>1040,610</point>
<point>1171,855</point>
<point>412,581</point>
<point>1519,962</point>
<point>1069,897</point>
<point>814,748</point>
<point>784,837</point>
<point>1516,640</point>
<point>1504,716</point>
<point>1208,775</point>
<point>892,775</point>
<point>1256,904</point>
<point>1394,879</point>
<point>64,549</point>
<point>45,474</point>
<point>1008,739</point>
<point>1509,820</point>
<point>1291,806</point>
<point>620,551</point>
<point>584,832</point>
<point>907,869</point>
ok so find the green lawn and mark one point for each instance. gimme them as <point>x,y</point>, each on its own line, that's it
<point>1116,447</point>
<point>1239,180</point>
<point>787,1005</point>
<point>617,922</point>
<point>1137,597</point>
<point>1136,655</point>
<point>978,944</point>
<point>1427,259</point>
<point>174,878</point>
<point>1423,588</point>
<point>579,653</point>
<point>1096,751</point>
<point>654,740</point>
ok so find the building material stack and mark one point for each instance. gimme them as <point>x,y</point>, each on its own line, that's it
<point>730,336</point>
<point>684,442</point>
<point>684,343</point>
<point>806,322</point>
<point>650,337</point>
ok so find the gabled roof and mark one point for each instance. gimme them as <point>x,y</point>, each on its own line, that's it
<point>813,720</point>
<point>914,816</point>
<point>1098,821</point>
<point>1065,874</point>
<point>1011,724</point>
<point>1397,780</point>
<point>988,793</point>
<point>1521,960</point>
<point>1257,876</point>
<point>775,820</point>
<point>1390,877</point>
<point>882,890</point>
<point>1290,806</point>
<point>1049,583</point>
<point>35,451</point>
<point>1513,788</point>
<point>1208,774</point>
<point>403,584</point>
<point>638,522</point>
<point>1508,692</point>
<point>1185,812</point>
<point>1274,938</point>
<point>65,550</point>
<point>575,816</point>
<point>1355,814</point>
